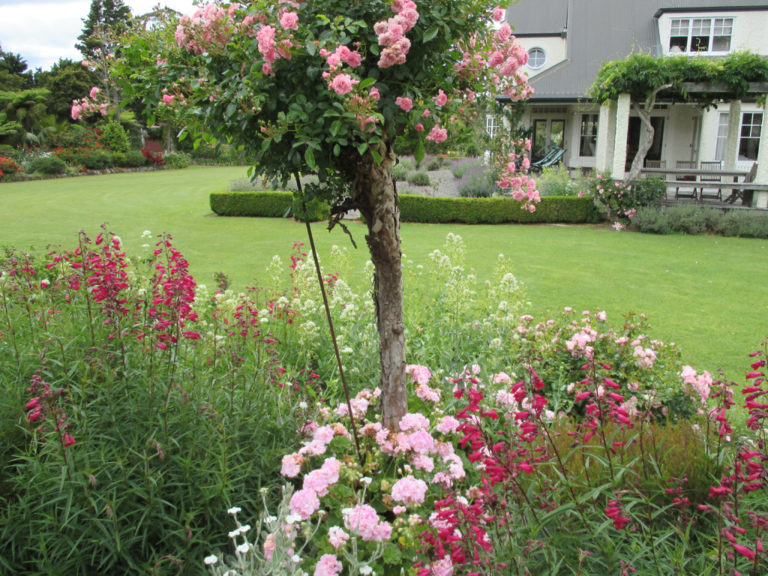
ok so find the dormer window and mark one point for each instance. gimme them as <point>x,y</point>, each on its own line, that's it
<point>536,58</point>
<point>700,35</point>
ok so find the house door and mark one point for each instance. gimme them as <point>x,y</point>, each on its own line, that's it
<point>633,139</point>
<point>547,134</point>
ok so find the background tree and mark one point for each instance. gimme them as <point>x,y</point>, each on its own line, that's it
<point>326,88</point>
<point>99,42</point>
<point>14,73</point>
<point>67,80</point>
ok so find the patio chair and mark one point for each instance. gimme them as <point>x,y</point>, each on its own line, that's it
<point>714,193</point>
<point>544,159</point>
<point>685,192</point>
<point>549,160</point>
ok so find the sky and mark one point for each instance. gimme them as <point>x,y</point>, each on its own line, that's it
<point>43,31</point>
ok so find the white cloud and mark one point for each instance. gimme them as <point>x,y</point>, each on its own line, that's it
<point>43,31</point>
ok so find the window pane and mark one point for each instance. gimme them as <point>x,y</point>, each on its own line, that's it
<point>588,139</point>
<point>701,26</point>
<point>680,42</point>
<point>721,44</point>
<point>680,27</point>
<point>699,43</point>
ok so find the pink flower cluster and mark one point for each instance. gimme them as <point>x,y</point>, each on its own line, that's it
<point>700,383</point>
<point>328,565</point>
<point>391,33</point>
<point>89,105</point>
<point>514,179</point>
<point>363,521</point>
<point>409,491</point>
<point>44,406</point>
<point>209,29</point>
<point>421,376</point>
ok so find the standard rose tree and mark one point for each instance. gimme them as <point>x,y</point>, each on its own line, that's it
<point>326,88</point>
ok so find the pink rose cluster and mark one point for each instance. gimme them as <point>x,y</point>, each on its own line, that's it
<point>272,47</point>
<point>91,104</point>
<point>209,29</point>
<point>392,33</point>
<point>700,383</point>
<point>514,179</point>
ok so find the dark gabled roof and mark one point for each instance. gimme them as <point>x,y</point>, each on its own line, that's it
<point>599,31</point>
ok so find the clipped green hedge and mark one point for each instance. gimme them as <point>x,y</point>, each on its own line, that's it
<point>266,204</point>
<point>415,208</point>
<point>496,210</point>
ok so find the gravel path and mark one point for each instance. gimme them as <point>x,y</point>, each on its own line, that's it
<point>443,183</point>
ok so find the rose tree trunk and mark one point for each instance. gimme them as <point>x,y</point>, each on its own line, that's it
<point>375,195</point>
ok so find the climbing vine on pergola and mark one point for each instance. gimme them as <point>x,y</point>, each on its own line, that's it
<point>698,80</point>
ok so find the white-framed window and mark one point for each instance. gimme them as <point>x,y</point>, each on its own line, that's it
<point>722,135</point>
<point>491,125</point>
<point>749,142</point>
<point>536,58</point>
<point>709,35</point>
<point>588,135</point>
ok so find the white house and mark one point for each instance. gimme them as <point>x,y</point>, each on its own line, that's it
<point>569,40</point>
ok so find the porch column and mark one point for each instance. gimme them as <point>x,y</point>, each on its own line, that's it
<point>760,199</point>
<point>620,138</point>
<point>732,141</point>
<point>606,130</point>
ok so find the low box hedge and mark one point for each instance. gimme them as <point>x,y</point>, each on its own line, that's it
<point>266,204</point>
<point>496,210</point>
<point>415,208</point>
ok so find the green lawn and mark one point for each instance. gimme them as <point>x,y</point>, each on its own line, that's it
<point>705,293</point>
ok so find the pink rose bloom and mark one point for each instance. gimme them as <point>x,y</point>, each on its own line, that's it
<point>342,84</point>
<point>374,94</point>
<point>409,490</point>
<point>93,93</point>
<point>328,565</point>
<point>304,503</point>
<point>364,521</point>
<point>291,465</point>
<point>289,21</point>
<point>438,134</point>
<point>85,63</point>
<point>419,127</point>
<point>405,103</point>
<point>441,99</point>
<point>498,14</point>
<point>167,98</point>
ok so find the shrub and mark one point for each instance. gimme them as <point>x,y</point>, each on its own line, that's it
<point>407,162</point>
<point>134,159</point>
<point>177,160</point>
<point>114,137</point>
<point>459,167</point>
<point>48,165</point>
<point>419,179</point>
<point>264,203</point>
<point>557,181</point>
<point>8,167</point>
<point>399,172</point>
<point>98,160</point>
<point>477,182</point>
<point>694,219</point>
<point>496,210</point>
<point>619,201</point>
<point>153,152</point>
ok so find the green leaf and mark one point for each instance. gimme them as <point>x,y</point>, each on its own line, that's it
<point>367,82</point>
<point>376,156</point>
<point>309,156</point>
<point>418,154</point>
<point>362,148</point>
<point>334,129</point>
<point>430,34</point>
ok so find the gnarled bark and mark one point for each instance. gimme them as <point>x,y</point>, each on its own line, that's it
<point>376,197</point>
<point>646,133</point>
